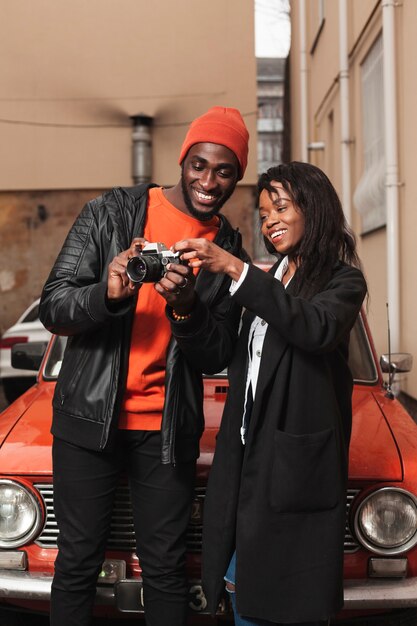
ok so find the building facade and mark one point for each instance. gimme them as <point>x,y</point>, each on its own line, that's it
<point>270,80</point>
<point>270,125</point>
<point>72,76</point>
<point>353,102</point>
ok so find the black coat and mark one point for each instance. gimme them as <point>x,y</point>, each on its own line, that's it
<point>280,499</point>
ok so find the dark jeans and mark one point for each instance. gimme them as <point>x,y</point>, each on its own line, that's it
<point>84,487</point>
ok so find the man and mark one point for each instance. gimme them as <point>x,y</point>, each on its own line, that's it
<point>129,396</point>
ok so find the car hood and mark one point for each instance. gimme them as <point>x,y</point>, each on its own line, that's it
<point>374,454</point>
<point>25,439</point>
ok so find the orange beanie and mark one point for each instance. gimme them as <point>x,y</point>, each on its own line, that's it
<point>222,125</point>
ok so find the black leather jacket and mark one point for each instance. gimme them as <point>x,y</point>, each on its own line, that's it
<point>91,383</point>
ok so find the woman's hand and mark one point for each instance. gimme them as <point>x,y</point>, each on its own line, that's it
<point>119,287</point>
<point>177,287</point>
<point>205,254</point>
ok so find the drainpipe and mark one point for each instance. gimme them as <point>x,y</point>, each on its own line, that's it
<point>303,82</point>
<point>391,180</point>
<point>344,109</point>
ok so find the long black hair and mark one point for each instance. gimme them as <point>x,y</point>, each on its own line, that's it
<point>327,236</point>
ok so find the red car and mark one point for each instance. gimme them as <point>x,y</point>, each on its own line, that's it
<point>381,505</point>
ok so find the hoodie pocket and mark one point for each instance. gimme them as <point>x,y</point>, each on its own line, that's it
<point>305,473</point>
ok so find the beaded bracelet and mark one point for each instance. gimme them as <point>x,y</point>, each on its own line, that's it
<point>180,318</point>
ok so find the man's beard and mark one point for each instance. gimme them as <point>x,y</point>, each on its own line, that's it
<point>203,216</point>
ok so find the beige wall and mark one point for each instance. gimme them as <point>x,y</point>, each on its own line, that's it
<point>71,74</point>
<point>364,26</point>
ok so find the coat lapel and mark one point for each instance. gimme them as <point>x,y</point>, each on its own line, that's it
<point>274,348</point>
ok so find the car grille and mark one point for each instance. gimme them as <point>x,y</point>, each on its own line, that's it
<point>122,535</point>
<point>351,545</point>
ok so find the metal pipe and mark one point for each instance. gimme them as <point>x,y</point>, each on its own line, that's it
<point>391,180</point>
<point>344,109</point>
<point>141,148</point>
<point>303,82</point>
<point>316,145</point>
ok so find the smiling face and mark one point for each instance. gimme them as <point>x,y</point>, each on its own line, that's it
<point>282,222</point>
<point>209,176</point>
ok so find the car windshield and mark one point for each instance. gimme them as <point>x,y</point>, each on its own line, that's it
<point>361,360</point>
<point>54,362</point>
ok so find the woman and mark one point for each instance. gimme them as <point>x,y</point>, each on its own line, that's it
<point>275,505</point>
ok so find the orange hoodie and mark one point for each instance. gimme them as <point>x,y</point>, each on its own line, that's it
<point>145,389</point>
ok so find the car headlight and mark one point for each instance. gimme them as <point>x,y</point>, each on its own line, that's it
<point>386,521</point>
<point>20,514</point>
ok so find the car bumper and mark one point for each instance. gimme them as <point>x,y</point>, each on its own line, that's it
<point>37,587</point>
<point>126,594</point>
<point>380,594</point>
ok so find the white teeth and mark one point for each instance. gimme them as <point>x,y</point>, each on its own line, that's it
<point>278,233</point>
<point>204,196</point>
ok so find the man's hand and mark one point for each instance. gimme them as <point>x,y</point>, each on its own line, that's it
<point>119,287</point>
<point>209,256</point>
<point>177,287</point>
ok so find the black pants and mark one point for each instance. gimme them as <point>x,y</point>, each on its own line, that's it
<point>84,487</point>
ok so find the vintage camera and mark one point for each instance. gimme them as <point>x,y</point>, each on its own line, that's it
<point>150,264</point>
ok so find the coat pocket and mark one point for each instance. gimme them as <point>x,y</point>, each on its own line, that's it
<point>306,472</point>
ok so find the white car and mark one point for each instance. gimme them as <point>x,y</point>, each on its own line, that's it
<point>28,328</point>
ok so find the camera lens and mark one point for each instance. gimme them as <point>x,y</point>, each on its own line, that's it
<point>144,269</point>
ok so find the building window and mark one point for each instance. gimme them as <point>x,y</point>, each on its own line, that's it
<point>370,194</point>
<point>269,150</point>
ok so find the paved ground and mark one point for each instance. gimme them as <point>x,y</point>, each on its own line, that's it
<point>12,618</point>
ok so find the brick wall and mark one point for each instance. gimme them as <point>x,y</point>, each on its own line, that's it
<point>33,226</point>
